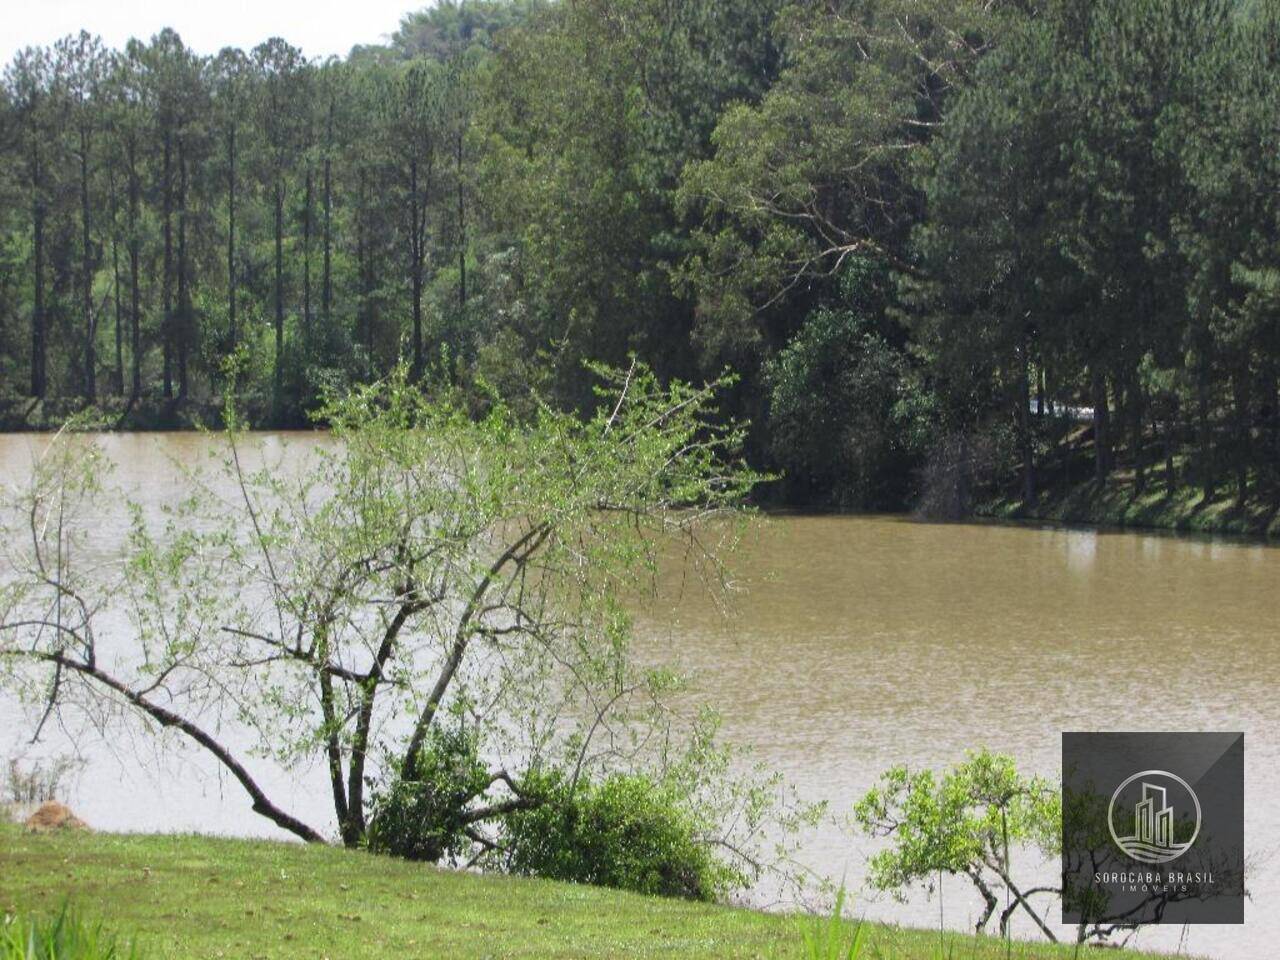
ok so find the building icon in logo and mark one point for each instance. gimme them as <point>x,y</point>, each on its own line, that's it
<point>1154,821</point>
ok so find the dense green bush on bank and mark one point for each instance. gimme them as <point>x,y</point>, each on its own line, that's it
<point>626,831</point>
<point>629,831</point>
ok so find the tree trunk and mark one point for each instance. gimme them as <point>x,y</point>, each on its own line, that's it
<point>1024,427</point>
<point>1243,441</point>
<point>415,267</point>
<point>1136,411</point>
<point>326,283</point>
<point>115,288</point>
<point>1208,468</point>
<point>135,287</point>
<point>184,332</point>
<point>38,344</point>
<point>231,235</point>
<point>306,264</point>
<point>1101,429</point>
<point>166,322</point>
<point>277,395</point>
<point>86,268</point>
<point>462,232</point>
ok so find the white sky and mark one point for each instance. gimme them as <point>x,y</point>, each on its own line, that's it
<point>319,27</point>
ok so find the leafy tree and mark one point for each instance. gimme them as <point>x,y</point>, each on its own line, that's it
<point>591,118</point>
<point>965,822</point>
<point>820,169</point>
<point>428,567</point>
<point>444,30</point>
<point>848,415</point>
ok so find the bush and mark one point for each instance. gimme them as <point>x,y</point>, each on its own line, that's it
<point>424,818</point>
<point>65,937</point>
<point>38,781</point>
<point>847,413</point>
<point>626,831</point>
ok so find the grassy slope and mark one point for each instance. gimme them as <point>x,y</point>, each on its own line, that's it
<point>1184,511</point>
<point>1116,505</point>
<point>200,897</point>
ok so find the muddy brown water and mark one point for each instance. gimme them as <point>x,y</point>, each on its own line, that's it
<point>858,642</point>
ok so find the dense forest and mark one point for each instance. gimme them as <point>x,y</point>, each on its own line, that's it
<point>941,243</point>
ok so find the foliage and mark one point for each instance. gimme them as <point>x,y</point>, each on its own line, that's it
<point>425,818</point>
<point>1067,207</point>
<point>443,30</point>
<point>848,415</point>
<point>39,780</point>
<point>819,170</point>
<point>964,822</point>
<point>64,937</point>
<point>436,604</point>
<point>628,831</point>
<point>588,124</point>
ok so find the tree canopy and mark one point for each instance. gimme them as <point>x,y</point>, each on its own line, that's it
<point>1057,219</point>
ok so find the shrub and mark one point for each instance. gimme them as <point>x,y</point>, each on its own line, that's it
<point>38,781</point>
<point>425,818</point>
<point>847,413</point>
<point>627,831</point>
<point>65,937</point>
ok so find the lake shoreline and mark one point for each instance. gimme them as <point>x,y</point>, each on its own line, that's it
<point>1116,508</point>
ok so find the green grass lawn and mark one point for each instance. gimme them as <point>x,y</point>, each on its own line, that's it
<point>188,897</point>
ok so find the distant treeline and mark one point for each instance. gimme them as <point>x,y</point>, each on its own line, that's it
<point>944,243</point>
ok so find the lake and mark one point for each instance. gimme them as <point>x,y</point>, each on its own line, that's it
<point>861,642</point>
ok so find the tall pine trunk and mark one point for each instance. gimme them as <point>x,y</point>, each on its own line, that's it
<point>326,283</point>
<point>118,383</point>
<point>1243,446</point>
<point>462,231</point>
<point>415,266</point>
<point>135,285</point>
<point>231,235</point>
<point>364,262</point>
<point>1024,425</point>
<point>86,278</point>
<point>308,198</point>
<point>39,352</point>
<point>185,328</point>
<point>166,322</point>
<point>1207,465</point>
<point>1137,451</point>
<point>277,395</point>
<point>1101,429</point>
